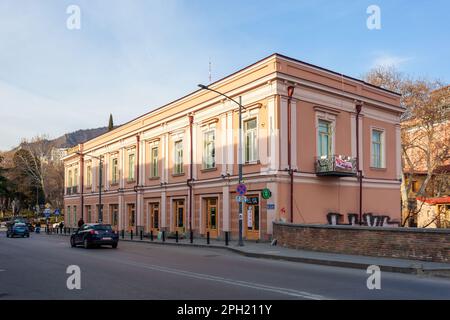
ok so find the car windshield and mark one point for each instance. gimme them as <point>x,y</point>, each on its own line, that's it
<point>19,225</point>
<point>103,227</point>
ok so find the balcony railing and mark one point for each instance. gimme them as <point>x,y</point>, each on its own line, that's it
<point>75,189</point>
<point>69,190</point>
<point>336,165</point>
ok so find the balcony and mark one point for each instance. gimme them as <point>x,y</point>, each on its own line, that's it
<point>68,190</point>
<point>336,165</point>
<point>75,189</point>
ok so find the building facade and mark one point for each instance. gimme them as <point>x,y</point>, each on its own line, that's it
<point>176,168</point>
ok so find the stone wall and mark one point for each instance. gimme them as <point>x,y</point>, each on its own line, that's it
<point>405,243</point>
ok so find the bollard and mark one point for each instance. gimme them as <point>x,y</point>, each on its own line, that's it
<point>151,235</point>
<point>65,230</point>
<point>164,236</point>
<point>207,237</point>
<point>176,236</point>
<point>123,234</point>
<point>140,234</point>
<point>131,234</point>
<point>226,238</point>
<point>192,236</point>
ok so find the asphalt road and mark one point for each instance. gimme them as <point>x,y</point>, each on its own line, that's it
<point>35,268</point>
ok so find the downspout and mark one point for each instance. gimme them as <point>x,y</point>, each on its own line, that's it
<point>191,164</point>
<point>290,90</point>
<point>358,169</point>
<point>137,183</point>
<point>82,181</point>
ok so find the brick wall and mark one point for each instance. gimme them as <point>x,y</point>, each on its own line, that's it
<point>417,244</point>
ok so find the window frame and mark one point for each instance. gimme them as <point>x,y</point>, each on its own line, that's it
<point>114,170</point>
<point>131,168</point>
<point>382,144</point>
<point>154,162</point>
<point>205,155</point>
<point>256,141</point>
<point>178,168</point>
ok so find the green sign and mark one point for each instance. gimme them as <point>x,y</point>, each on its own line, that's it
<point>266,193</point>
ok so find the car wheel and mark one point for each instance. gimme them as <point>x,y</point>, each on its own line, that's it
<point>114,246</point>
<point>28,235</point>
<point>72,243</point>
<point>86,244</point>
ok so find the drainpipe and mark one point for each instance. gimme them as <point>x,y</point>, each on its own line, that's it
<point>190,180</point>
<point>82,181</point>
<point>358,169</point>
<point>290,90</point>
<point>137,183</point>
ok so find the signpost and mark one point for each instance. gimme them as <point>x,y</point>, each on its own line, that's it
<point>266,193</point>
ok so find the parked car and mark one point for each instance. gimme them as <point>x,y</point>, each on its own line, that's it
<point>94,234</point>
<point>19,229</point>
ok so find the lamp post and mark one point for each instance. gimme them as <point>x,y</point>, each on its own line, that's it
<point>241,242</point>
<point>100,159</point>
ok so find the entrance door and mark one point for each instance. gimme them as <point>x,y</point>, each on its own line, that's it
<point>212,217</point>
<point>251,217</point>
<point>154,217</point>
<point>131,217</point>
<point>179,216</point>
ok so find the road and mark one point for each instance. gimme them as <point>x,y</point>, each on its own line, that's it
<point>35,268</point>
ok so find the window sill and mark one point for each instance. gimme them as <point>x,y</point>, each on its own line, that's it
<point>178,174</point>
<point>209,169</point>
<point>251,163</point>
<point>115,184</point>
<point>378,169</point>
<point>154,178</point>
<point>131,181</point>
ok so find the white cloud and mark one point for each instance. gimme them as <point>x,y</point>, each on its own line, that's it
<point>389,61</point>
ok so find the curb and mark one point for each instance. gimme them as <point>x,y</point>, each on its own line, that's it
<point>416,270</point>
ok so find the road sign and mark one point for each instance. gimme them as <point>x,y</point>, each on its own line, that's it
<point>270,206</point>
<point>266,193</point>
<point>47,212</point>
<point>56,212</point>
<point>241,189</point>
<point>241,198</point>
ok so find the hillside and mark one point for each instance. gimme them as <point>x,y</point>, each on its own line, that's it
<point>71,139</point>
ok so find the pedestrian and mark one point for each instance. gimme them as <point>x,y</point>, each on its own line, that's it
<point>80,222</point>
<point>61,226</point>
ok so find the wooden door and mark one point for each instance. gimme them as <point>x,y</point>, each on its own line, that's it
<point>131,217</point>
<point>153,217</point>
<point>179,216</point>
<point>212,217</point>
<point>252,217</point>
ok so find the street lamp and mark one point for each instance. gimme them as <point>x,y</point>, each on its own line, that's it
<point>241,242</point>
<point>100,159</point>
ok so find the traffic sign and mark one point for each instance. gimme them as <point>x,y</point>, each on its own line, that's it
<point>56,212</point>
<point>47,212</point>
<point>241,198</point>
<point>271,206</point>
<point>241,189</point>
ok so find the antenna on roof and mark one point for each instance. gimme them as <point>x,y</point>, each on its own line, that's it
<point>209,69</point>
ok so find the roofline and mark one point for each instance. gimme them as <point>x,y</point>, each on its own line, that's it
<point>236,72</point>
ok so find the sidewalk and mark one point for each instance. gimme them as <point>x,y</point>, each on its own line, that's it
<point>267,251</point>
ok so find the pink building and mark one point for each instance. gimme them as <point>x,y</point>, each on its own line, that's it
<point>303,127</point>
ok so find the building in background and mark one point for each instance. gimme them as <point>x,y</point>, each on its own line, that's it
<point>176,167</point>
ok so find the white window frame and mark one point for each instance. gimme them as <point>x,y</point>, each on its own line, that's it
<point>89,174</point>
<point>115,177</point>
<point>250,116</point>
<point>175,157</point>
<point>205,131</point>
<point>152,164</point>
<point>131,153</point>
<point>331,118</point>
<point>382,149</point>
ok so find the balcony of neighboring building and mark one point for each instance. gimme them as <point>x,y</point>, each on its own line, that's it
<point>71,190</point>
<point>336,165</point>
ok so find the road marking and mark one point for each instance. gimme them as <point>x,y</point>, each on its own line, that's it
<point>2,270</point>
<point>285,291</point>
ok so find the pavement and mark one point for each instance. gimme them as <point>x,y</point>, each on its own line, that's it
<point>266,250</point>
<point>36,268</point>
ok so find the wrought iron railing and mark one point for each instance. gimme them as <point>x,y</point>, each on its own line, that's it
<point>336,165</point>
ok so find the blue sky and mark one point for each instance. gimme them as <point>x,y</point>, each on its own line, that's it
<point>132,56</point>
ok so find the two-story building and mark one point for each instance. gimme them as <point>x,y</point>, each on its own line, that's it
<point>303,127</point>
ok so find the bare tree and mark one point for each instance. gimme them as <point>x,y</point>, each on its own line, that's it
<point>425,141</point>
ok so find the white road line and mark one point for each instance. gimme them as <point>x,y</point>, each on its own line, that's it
<point>285,291</point>
<point>2,270</point>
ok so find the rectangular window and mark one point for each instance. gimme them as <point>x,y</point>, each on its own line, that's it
<point>70,179</point>
<point>131,167</point>
<point>89,213</point>
<point>324,139</point>
<point>377,149</point>
<point>154,170</point>
<point>114,171</point>
<point>250,140</point>
<point>68,221</point>
<point>75,222</point>
<point>209,149</point>
<point>178,165</point>
<point>75,182</point>
<point>114,209</point>
<point>89,176</point>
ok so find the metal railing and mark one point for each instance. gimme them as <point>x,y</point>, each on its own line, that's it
<point>337,165</point>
